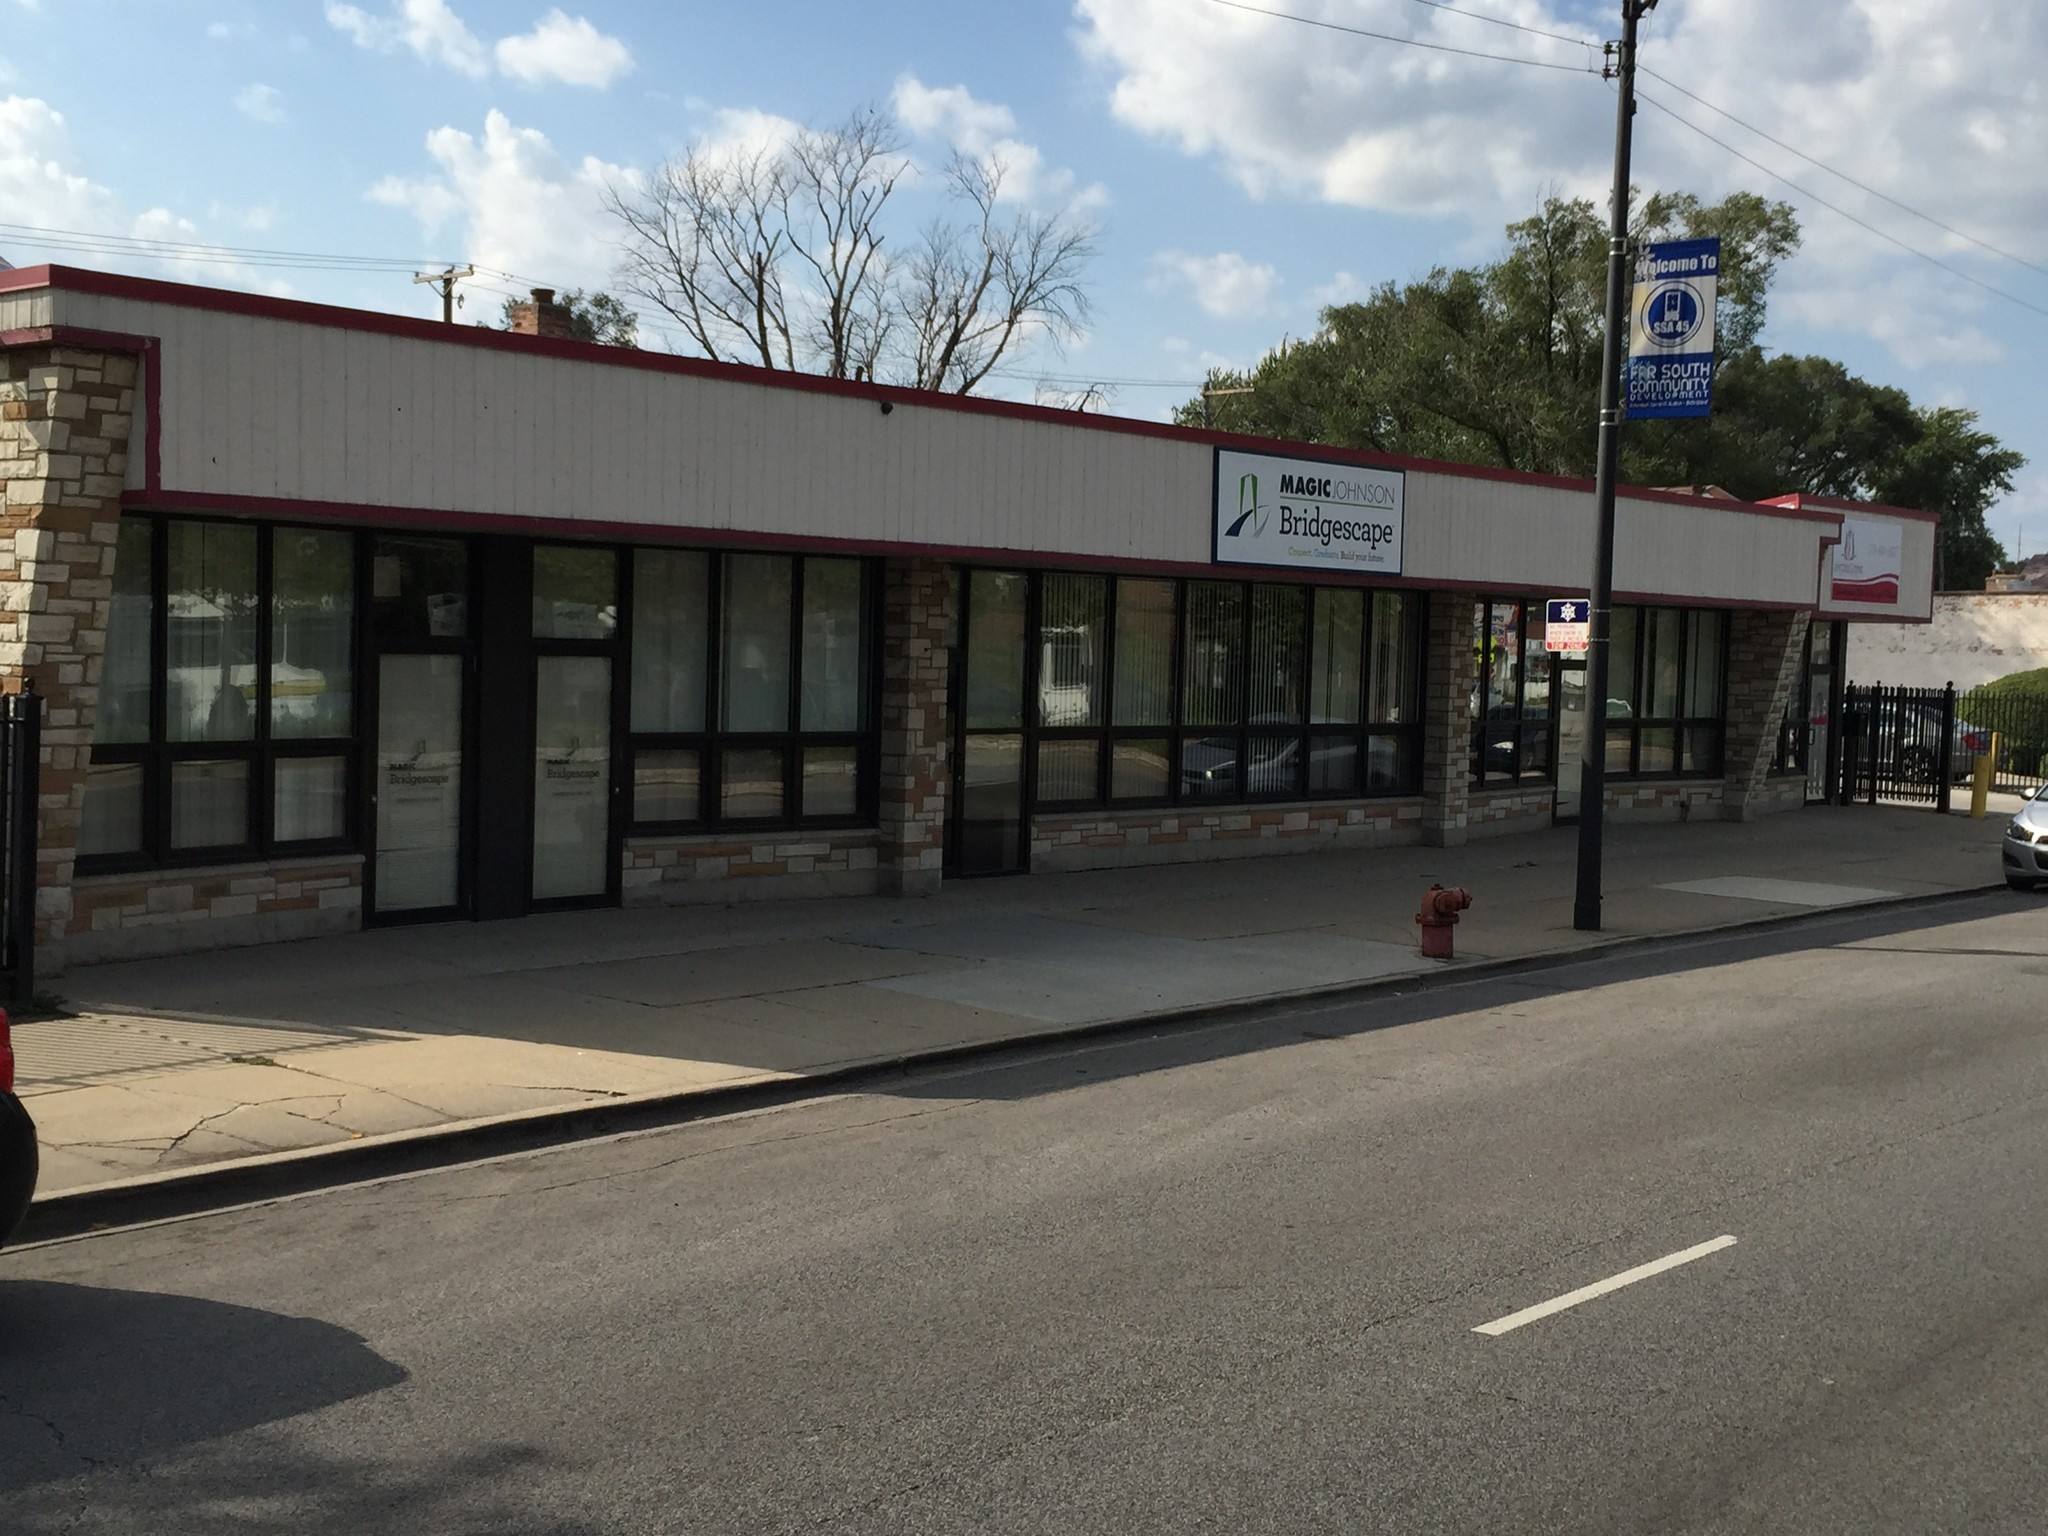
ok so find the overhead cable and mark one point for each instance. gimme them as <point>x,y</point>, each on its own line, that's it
<point>1410,42</point>
<point>1860,186</point>
<point>1841,212</point>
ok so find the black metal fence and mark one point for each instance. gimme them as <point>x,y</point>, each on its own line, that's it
<point>21,731</point>
<point>2020,720</point>
<point>1903,744</point>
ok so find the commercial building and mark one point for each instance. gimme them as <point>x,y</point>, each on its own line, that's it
<point>344,618</point>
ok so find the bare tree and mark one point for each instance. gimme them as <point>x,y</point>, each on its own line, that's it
<point>777,256</point>
<point>974,291</point>
<point>706,241</point>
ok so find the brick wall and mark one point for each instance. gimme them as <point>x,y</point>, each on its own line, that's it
<point>1451,671</point>
<point>1504,812</point>
<point>65,419</point>
<point>721,867</point>
<point>1765,649</point>
<point>176,911</point>
<point>1119,839</point>
<point>916,744</point>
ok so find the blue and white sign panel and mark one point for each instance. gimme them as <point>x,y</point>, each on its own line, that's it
<point>1308,514</point>
<point>1567,624</point>
<point>1671,329</point>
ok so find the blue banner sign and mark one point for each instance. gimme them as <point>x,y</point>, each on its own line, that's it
<point>1671,329</point>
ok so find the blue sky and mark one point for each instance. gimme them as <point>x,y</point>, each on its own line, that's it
<point>1244,170</point>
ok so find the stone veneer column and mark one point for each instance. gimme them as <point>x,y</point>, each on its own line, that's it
<point>1765,649</point>
<point>65,416</point>
<point>916,732</point>
<point>1450,672</point>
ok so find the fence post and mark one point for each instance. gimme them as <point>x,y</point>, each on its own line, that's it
<point>1945,786</point>
<point>24,721</point>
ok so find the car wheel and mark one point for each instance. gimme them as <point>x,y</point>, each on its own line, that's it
<point>1916,765</point>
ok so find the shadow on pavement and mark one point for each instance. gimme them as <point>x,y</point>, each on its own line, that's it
<point>1035,1070</point>
<point>133,1411</point>
<point>94,1379</point>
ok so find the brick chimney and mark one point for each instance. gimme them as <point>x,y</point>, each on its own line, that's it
<point>542,316</point>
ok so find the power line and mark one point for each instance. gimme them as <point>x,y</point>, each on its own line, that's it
<point>1815,197</point>
<point>1860,186</point>
<point>1410,42</point>
<point>187,250</point>
<point>1514,26</point>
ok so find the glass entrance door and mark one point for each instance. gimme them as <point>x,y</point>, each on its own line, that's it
<point>572,776</point>
<point>419,784</point>
<point>420,628</point>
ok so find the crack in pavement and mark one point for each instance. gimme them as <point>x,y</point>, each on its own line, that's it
<point>21,1410</point>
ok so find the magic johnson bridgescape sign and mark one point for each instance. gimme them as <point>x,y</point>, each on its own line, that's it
<point>1272,510</point>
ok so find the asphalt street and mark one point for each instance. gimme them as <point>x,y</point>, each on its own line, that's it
<point>1220,1278</point>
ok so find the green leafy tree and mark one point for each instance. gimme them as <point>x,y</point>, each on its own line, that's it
<point>1499,364</point>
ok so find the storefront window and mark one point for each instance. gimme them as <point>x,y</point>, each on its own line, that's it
<point>1512,708</point>
<point>575,592</point>
<point>756,642</point>
<point>671,637</point>
<point>832,652</point>
<point>1144,652</point>
<point>790,651</point>
<point>210,632</point>
<point>312,634</point>
<point>227,711</point>
<point>1665,691</point>
<point>1282,691</point>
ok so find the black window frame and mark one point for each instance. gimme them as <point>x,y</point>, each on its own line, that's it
<point>1516,727</point>
<point>1302,736</point>
<point>711,743</point>
<point>159,756</point>
<point>1682,726</point>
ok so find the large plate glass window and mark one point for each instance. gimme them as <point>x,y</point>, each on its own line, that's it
<point>227,718</point>
<point>751,690</point>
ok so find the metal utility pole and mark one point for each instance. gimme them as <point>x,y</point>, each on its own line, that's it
<point>1593,773</point>
<point>444,284</point>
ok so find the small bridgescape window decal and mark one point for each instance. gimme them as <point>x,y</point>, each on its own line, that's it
<point>1308,514</point>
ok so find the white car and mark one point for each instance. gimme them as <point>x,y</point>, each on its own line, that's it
<point>2025,850</point>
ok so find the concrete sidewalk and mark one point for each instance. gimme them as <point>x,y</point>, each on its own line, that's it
<point>202,1059</point>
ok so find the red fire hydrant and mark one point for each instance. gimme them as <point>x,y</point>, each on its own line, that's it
<point>1438,916</point>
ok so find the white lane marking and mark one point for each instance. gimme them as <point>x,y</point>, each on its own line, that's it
<point>1570,1299</point>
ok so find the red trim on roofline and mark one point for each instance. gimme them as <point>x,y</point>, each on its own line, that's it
<point>1799,501</point>
<point>192,296</point>
<point>149,352</point>
<point>649,533</point>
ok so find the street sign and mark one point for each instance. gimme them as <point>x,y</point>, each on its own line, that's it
<point>1567,624</point>
<point>1671,329</point>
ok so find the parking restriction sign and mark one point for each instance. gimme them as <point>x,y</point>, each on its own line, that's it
<point>1567,624</point>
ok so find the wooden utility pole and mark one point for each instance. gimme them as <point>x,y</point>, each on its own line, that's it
<point>444,284</point>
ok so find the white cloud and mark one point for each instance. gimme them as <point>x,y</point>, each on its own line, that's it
<point>987,130</point>
<point>1342,288</point>
<point>223,31</point>
<point>40,186</point>
<point>559,48</point>
<point>523,207</point>
<point>1225,285</point>
<point>1936,102</point>
<point>427,27</point>
<point>564,48</point>
<point>265,103</point>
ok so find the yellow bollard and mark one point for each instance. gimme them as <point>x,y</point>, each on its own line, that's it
<point>1980,779</point>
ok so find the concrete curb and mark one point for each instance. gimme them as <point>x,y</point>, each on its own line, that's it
<point>267,1176</point>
